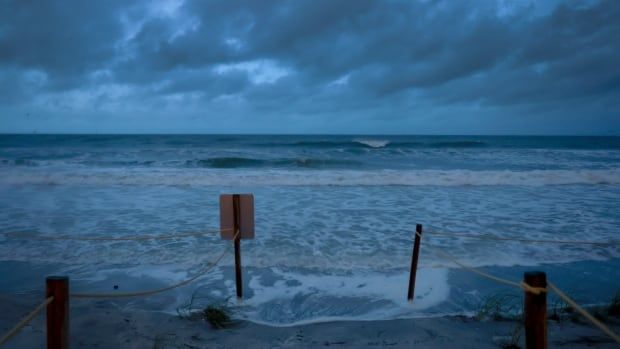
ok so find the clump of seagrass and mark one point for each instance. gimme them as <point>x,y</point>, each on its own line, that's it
<point>217,313</point>
<point>559,310</point>
<point>504,307</point>
<point>500,307</point>
<point>217,316</point>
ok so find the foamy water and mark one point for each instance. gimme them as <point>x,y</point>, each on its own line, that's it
<point>334,215</point>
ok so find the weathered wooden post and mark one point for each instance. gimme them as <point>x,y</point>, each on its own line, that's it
<point>237,234</point>
<point>57,312</point>
<point>535,308</point>
<point>414,262</point>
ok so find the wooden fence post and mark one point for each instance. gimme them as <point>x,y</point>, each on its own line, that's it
<point>57,312</point>
<point>414,262</point>
<point>535,309</point>
<point>236,231</point>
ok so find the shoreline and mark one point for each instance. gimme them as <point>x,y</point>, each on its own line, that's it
<point>104,324</point>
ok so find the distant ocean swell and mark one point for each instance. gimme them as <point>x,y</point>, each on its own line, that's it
<point>214,162</point>
<point>377,143</point>
<point>250,177</point>
<point>237,162</point>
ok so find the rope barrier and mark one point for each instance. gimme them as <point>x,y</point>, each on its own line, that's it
<point>25,321</point>
<point>535,290</point>
<point>522,285</point>
<point>498,238</point>
<point>112,238</point>
<point>584,312</point>
<point>155,291</point>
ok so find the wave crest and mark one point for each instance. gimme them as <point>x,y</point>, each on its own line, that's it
<point>363,143</point>
<point>373,143</point>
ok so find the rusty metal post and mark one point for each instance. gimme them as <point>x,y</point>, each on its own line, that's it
<point>535,308</point>
<point>414,262</point>
<point>236,227</point>
<point>57,312</point>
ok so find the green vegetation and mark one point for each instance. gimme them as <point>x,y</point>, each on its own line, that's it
<point>216,313</point>
<point>559,308</point>
<point>500,307</point>
<point>217,316</point>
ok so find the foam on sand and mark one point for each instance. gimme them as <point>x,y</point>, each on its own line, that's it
<point>299,297</point>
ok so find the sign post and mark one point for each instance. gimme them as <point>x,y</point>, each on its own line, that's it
<point>237,237</point>
<point>236,223</point>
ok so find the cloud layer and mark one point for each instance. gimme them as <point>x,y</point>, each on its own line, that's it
<point>310,66</point>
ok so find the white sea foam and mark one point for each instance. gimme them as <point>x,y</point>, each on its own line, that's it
<point>333,230</point>
<point>373,143</point>
<point>296,294</point>
<point>210,177</point>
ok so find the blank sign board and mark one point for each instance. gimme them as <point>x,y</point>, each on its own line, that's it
<point>245,219</point>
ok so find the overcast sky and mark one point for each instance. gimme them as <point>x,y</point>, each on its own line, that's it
<point>412,67</point>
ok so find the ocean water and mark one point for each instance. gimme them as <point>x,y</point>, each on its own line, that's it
<point>334,218</point>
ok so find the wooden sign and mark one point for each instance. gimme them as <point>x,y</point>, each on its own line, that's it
<point>243,215</point>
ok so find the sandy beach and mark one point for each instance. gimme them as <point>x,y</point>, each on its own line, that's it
<point>104,325</point>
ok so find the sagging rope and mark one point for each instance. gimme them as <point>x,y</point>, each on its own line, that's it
<point>522,285</point>
<point>159,290</point>
<point>583,312</point>
<point>528,288</point>
<point>13,331</point>
<point>31,236</point>
<point>499,238</point>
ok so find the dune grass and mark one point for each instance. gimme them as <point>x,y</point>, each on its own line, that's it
<point>217,313</point>
<point>217,316</point>
<point>504,307</point>
<point>500,307</point>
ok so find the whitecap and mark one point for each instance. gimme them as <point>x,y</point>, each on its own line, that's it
<point>373,143</point>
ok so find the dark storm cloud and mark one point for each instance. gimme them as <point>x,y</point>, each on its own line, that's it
<point>64,38</point>
<point>389,47</point>
<point>384,58</point>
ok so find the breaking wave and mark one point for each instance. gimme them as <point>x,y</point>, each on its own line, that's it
<point>377,144</point>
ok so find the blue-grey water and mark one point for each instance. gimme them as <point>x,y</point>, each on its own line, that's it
<point>334,218</point>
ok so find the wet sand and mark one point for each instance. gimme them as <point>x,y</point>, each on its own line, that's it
<point>104,325</point>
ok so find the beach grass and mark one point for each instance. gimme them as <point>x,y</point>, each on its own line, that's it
<point>559,310</point>
<point>217,313</point>
<point>500,306</point>
<point>217,316</point>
